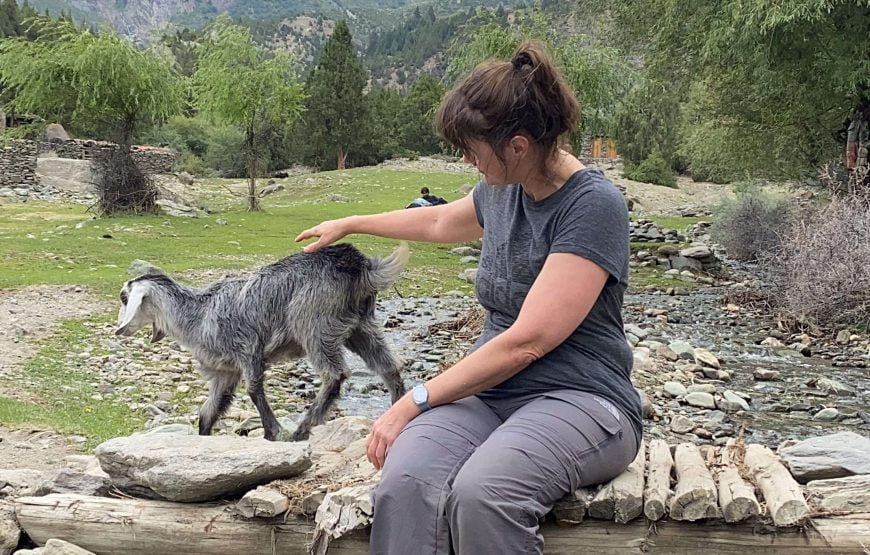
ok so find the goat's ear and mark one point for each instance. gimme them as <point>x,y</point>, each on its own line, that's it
<point>128,313</point>
<point>156,334</point>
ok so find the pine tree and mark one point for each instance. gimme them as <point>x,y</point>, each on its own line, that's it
<point>335,104</point>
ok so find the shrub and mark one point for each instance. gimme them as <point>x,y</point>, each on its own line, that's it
<point>655,169</point>
<point>751,226</point>
<point>820,276</point>
<point>121,186</point>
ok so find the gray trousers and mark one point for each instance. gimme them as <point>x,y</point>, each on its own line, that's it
<point>475,477</point>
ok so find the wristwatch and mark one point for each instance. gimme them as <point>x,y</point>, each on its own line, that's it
<point>421,397</point>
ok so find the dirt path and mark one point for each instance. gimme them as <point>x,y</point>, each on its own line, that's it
<point>26,316</point>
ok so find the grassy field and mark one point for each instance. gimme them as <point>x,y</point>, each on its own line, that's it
<point>59,244</point>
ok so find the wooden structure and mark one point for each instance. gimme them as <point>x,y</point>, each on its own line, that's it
<point>602,147</point>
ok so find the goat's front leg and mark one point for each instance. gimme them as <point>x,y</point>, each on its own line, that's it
<point>221,390</point>
<point>254,377</point>
<point>326,357</point>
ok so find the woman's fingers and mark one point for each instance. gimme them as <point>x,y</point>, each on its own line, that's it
<point>307,234</point>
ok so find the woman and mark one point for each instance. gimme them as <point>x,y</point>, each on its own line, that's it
<point>473,458</point>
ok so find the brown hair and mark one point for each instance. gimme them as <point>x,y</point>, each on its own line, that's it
<point>498,100</point>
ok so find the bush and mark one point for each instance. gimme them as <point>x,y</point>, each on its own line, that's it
<point>647,120</point>
<point>820,276</point>
<point>655,169</point>
<point>752,226</point>
<point>121,186</point>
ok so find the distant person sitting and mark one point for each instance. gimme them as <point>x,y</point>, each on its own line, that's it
<point>431,199</point>
<point>419,203</point>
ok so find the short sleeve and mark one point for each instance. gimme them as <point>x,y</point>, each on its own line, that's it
<point>594,225</point>
<point>478,194</point>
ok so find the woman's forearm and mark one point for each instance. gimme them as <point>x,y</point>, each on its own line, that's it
<point>416,224</point>
<point>490,365</point>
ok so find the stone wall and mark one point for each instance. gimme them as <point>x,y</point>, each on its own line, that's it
<point>18,159</point>
<point>18,164</point>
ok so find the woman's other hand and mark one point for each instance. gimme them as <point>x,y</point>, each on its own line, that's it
<point>326,232</point>
<point>387,428</point>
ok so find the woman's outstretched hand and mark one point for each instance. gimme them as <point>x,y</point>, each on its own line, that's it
<point>326,232</point>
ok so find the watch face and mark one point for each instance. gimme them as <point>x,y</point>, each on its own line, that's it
<point>419,394</point>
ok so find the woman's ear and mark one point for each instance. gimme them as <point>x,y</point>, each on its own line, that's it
<point>519,146</point>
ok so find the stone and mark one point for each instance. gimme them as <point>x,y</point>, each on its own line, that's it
<point>731,402</point>
<point>683,350</point>
<point>702,387</point>
<point>700,399</point>
<point>10,532</point>
<point>178,429</point>
<point>67,480</point>
<point>827,414</point>
<point>65,174</point>
<point>682,424</point>
<point>469,275</point>
<point>682,263</point>
<point>263,502</point>
<point>637,331</point>
<point>185,178</point>
<point>55,546</point>
<point>465,251</point>
<point>666,353</point>
<point>337,434</point>
<point>833,386</point>
<point>55,132</point>
<point>706,358</point>
<point>773,343</point>
<point>765,375</point>
<point>830,456</point>
<point>648,409</point>
<point>271,189</point>
<point>841,495</point>
<point>700,251</point>
<point>20,482</point>
<point>199,468</point>
<point>843,337</point>
<point>177,209</point>
<point>674,389</point>
<point>716,374</point>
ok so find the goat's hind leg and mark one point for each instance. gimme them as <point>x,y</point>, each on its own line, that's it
<point>221,390</point>
<point>368,342</point>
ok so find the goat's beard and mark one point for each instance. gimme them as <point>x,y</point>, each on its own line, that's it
<point>156,333</point>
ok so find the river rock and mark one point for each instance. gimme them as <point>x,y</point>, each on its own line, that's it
<point>56,546</point>
<point>731,402</point>
<point>831,456</point>
<point>683,350</point>
<point>765,375</point>
<point>833,386</point>
<point>674,389</point>
<point>199,468</point>
<point>682,424</point>
<point>20,482</point>
<point>706,358</point>
<point>10,532</point>
<point>700,399</point>
<point>67,480</point>
<point>827,414</point>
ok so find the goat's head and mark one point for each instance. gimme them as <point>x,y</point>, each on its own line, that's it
<point>138,308</point>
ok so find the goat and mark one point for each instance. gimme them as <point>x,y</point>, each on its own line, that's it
<point>305,304</point>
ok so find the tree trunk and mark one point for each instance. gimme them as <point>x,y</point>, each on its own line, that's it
<point>253,200</point>
<point>340,158</point>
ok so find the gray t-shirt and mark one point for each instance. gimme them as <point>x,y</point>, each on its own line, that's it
<point>588,217</point>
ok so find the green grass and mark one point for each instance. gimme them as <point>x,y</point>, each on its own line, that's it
<point>41,243</point>
<point>55,392</point>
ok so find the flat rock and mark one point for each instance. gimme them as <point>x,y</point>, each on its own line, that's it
<point>20,482</point>
<point>682,424</point>
<point>765,375</point>
<point>55,546</point>
<point>700,399</point>
<point>337,434</point>
<point>674,389</point>
<point>683,350</point>
<point>67,480</point>
<point>841,495</point>
<point>831,456</point>
<point>199,468</point>
<point>706,358</point>
<point>10,532</point>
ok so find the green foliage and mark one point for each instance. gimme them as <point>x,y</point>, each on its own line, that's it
<point>647,119</point>
<point>774,101</point>
<point>97,80</point>
<point>418,116</point>
<point>336,110</point>
<point>238,82</point>
<point>654,169</point>
<point>598,74</point>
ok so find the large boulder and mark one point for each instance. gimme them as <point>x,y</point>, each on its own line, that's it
<point>832,456</point>
<point>66,174</point>
<point>55,132</point>
<point>10,532</point>
<point>199,468</point>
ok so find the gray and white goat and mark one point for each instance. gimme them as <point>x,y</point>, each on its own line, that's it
<point>305,304</point>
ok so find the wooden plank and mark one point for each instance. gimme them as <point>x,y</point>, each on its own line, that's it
<point>621,499</point>
<point>144,527</point>
<point>736,495</point>
<point>782,494</point>
<point>695,495</point>
<point>658,482</point>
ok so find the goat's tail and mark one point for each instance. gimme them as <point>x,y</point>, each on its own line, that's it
<point>385,271</point>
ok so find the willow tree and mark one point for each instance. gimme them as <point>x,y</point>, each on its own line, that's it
<point>791,78</point>
<point>95,80</point>
<point>241,83</point>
